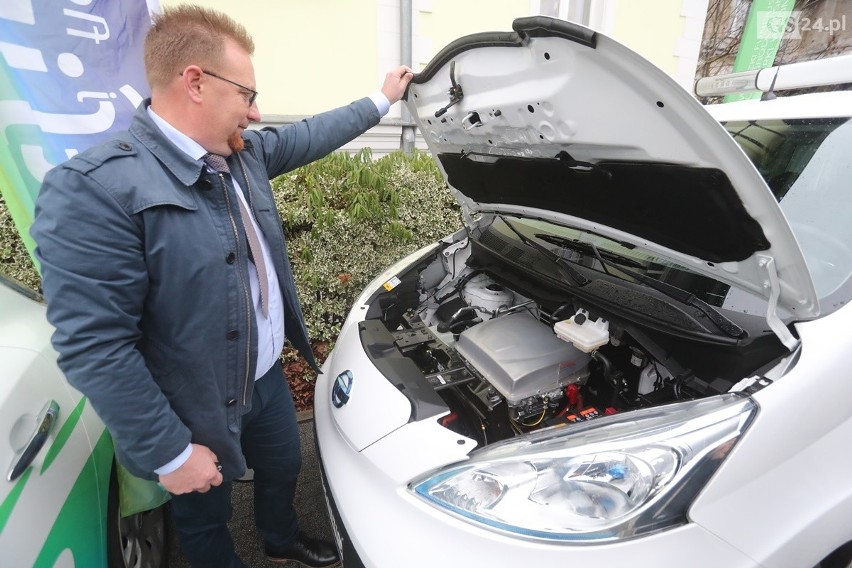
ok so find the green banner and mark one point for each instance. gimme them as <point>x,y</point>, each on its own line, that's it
<point>768,21</point>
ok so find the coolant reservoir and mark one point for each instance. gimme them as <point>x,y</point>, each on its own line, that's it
<point>585,334</point>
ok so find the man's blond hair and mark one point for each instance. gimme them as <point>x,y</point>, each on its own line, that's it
<point>189,35</point>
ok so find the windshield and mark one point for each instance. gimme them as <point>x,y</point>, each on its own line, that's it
<point>806,164</point>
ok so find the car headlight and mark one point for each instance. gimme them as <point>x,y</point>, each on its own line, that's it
<point>611,478</point>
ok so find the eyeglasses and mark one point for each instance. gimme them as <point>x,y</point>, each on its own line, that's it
<point>251,97</point>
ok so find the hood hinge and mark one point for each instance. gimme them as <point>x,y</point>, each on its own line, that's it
<point>766,265</point>
<point>467,215</point>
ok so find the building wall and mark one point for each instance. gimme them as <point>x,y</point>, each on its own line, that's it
<point>310,55</point>
<point>651,29</point>
<point>666,32</point>
<point>439,22</point>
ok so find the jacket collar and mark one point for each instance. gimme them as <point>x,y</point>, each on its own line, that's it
<point>179,163</point>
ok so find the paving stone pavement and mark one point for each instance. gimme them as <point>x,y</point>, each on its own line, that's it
<point>313,519</point>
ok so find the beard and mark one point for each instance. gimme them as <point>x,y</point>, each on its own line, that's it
<point>235,142</point>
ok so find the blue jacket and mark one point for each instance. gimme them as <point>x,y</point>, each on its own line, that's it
<point>142,254</point>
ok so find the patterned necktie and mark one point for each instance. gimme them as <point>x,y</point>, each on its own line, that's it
<point>218,163</point>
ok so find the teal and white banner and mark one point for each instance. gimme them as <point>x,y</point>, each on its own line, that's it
<point>71,74</point>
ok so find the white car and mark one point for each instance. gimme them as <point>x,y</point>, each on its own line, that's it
<point>59,499</point>
<point>635,353</point>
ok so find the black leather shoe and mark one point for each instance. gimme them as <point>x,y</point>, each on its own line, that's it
<point>307,552</point>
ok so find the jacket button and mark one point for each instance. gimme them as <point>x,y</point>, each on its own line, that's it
<point>124,146</point>
<point>230,258</point>
<point>231,402</point>
<point>232,335</point>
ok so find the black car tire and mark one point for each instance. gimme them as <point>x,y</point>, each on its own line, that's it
<point>137,541</point>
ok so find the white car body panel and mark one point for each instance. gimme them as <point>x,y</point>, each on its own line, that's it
<point>790,462</point>
<point>370,390</point>
<point>418,447</point>
<point>28,356</point>
<point>584,98</point>
<point>44,487</point>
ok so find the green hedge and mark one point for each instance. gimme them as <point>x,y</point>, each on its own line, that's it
<point>346,218</point>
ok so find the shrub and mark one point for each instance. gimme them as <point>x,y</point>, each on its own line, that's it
<point>348,217</point>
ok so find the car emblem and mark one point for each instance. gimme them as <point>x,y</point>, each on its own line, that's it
<point>340,390</point>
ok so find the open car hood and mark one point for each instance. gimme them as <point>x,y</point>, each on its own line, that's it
<point>559,122</point>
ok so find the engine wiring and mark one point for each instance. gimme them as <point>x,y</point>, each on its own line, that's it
<point>537,422</point>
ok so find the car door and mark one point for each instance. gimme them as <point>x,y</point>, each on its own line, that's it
<point>56,477</point>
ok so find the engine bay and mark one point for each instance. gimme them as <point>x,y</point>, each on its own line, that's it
<point>508,359</point>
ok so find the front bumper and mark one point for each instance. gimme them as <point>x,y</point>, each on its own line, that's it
<point>345,548</point>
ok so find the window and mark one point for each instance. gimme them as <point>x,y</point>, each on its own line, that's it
<point>571,10</point>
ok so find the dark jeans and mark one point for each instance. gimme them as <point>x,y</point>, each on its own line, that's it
<point>270,441</point>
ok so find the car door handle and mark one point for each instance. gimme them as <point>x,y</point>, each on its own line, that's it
<point>44,424</point>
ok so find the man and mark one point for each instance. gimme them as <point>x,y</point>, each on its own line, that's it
<point>167,279</point>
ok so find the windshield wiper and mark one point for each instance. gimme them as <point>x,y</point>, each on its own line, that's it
<point>723,323</point>
<point>563,265</point>
<point>580,246</point>
<point>606,258</point>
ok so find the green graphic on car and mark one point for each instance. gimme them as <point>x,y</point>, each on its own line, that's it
<point>69,540</point>
<point>66,542</point>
